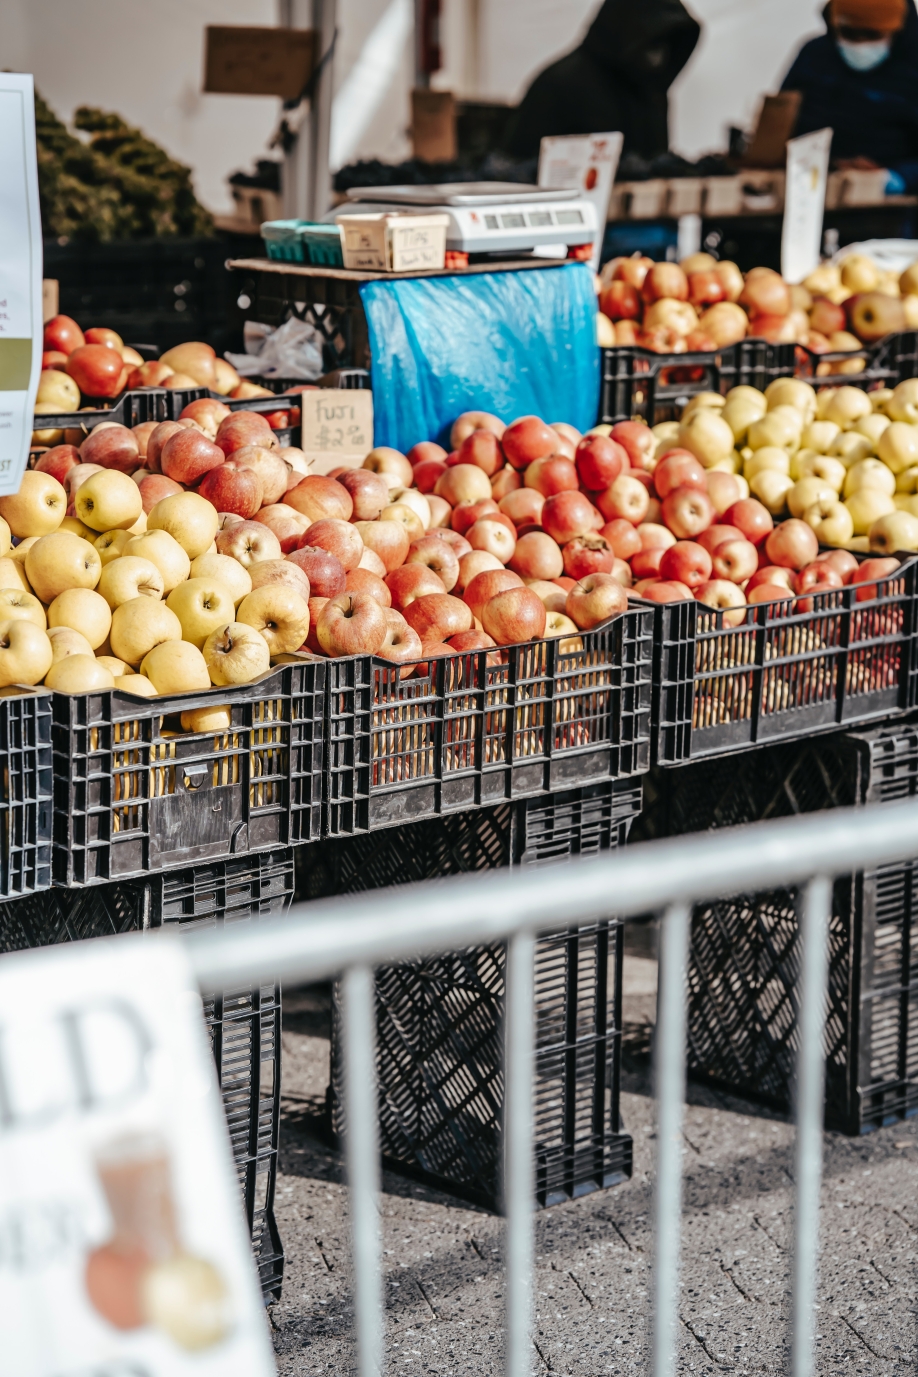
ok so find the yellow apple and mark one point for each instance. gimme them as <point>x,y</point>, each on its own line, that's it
<point>114,666</point>
<point>866,506</point>
<point>851,447</point>
<point>65,641</point>
<point>846,405</point>
<point>739,416</point>
<point>206,719</point>
<point>226,570</point>
<point>906,502</point>
<point>859,273</point>
<point>15,605</point>
<point>896,531</point>
<point>57,390</point>
<point>831,521</point>
<point>880,400</point>
<point>13,575</point>
<point>873,427</point>
<point>792,392</point>
<point>108,501</point>
<point>78,674</point>
<point>111,545</point>
<point>5,541</point>
<point>898,446</point>
<point>831,471</point>
<point>75,526</point>
<point>138,684</point>
<point>771,489</point>
<point>38,508</point>
<point>869,473</point>
<point>807,491</point>
<point>25,653</point>
<point>769,457</point>
<point>188,517</point>
<point>279,613</point>
<point>410,497</point>
<point>175,667</point>
<point>163,550</point>
<point>130,577</point>
<point>818,436</point>
<point>780,428</point>
<point>906,481</point>
<point>19,552</point>
<point>60,561</point>
<point>708,436</point>
<point>82,610</point>
<point>139,625</point>
<point>202,605</point>
<point>236,654</point>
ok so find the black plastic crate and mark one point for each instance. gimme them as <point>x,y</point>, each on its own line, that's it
<point>439,1040</point>
<point>888,362</point>
<point>244,1024</point>
<point>745,954</point>
<point>25,791</point>
<point>328,302</point>
<point>719,688</point>
<point>402,747</point>
<point>638,384</point>
<point>134,793</point>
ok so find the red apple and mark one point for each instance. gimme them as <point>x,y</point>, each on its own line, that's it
<point>705,288</point>
<point>325,572</point>
<point>58,461</point>
<point>868,573</point>
<point>208,413</point>
<point>339,538</point>
<point>626,499</point>
<point>474,640</point>
<point>726,597</point>
<point>716,535</point>
<point>826,317</point>
<point>678,469</point>
<point>231,487</point>
<point>665,281</point>
<point>526,440</point>
<point>155,487</point>
<point>594,599</point>
<point>111,447</point>
<point>663,591</point>
<point>686,562</point>
<point>312,641</point>
<point>623,538</point>
<point>242,428</point>
<point>589,554</point>
<point>286,524</point>
<point>723,489</point>
<point>494,537</point>
<point>842,561</point>
<point>646,563</point>
<point>454,540</point>
<point>735,560</point>
<point>771,575</point>
<point>633,270</point>
<point>620,301</point>
<point>551,475</point>
<point>600,460</point>
<point>751,518</point>
<point>110,339</point>
<point>318,497</point>
<point>426,474</point>
<point>157,438</point>
<point>769,592</point>
<point>142,435</point>
<point>654,536</point>
<point>765,293</point>
<point>792,545</point>
<point>505,482</point>
<point>514,616</point>
<point>821,573</point>
<point>537,556</point>
<point>412,581</point>
<point>687,512</point>
<point>54,358</point>
<point>436,616</point>
<point>523,507</point>
<point>351,624</point>
<point>387,539</point>
<point>638,442</point>
<point>63,334</point>
<point>369,492</point>
<point>487,585</point>
<point>474,420</point>
<point>437,556</point>
<point>424,452</point>
<point>467,513</point>
<point>96,370</point>
<point>188,455</point>
<point>569,514</point>
<point>482,448</point>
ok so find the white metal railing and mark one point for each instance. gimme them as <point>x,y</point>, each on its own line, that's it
<point>354,934</point>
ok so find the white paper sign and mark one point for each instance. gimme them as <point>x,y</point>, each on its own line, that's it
<point>804,203</point>
<point>123,1246</point>
<point>588,162</point>
<point>21,326</point>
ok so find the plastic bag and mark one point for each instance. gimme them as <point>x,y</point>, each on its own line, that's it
<point>513,343</point>
<point>294,350</point>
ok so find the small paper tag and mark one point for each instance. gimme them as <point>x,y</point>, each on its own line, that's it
<point>588,162</point>
<point>123,1245</point>
<point>804,203</point>
<point>337,426</point>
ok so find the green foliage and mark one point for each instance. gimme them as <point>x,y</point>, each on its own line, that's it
<point>117,184</point>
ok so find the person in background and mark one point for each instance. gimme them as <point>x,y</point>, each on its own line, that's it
<point>616,80</point>
<point>860,79</point>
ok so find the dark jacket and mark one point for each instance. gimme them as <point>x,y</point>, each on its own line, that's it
<point>874,114</point>
<point>617,80</point>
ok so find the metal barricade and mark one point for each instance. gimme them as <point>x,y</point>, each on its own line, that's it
<point>354,935</point>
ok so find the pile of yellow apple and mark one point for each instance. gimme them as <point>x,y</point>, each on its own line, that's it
<point>843,460</point>
<point>702,304</point>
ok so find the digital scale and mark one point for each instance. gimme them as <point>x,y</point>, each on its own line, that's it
<point>491,219</point>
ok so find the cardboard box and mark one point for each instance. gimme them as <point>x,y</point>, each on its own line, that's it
<point>777,118</point>
<point>390,242</point>
<point>241,60</point>
<point>50,298</point>
<point>433,126</point>
<point>683,196</point>
<point>646,200</point>
<point>722,196</point>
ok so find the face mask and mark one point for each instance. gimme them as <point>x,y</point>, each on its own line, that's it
<point>863,57</point>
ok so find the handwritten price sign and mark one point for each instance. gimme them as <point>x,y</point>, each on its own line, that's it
<point>337,427</point>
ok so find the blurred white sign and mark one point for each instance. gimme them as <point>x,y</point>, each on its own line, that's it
<point>123,1245</point>
<point>21,326</point>
<point>588,162</point>
<point>804,203</point>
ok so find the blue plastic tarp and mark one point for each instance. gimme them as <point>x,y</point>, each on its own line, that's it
<point>513,343</point>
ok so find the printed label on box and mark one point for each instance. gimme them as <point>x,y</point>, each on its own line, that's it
<point>123,1244</point>
<point>337,426</point>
